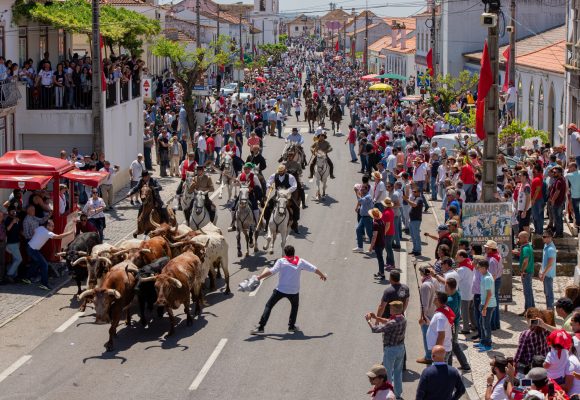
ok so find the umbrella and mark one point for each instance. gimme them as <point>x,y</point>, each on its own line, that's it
<point>371,77</point>
<point>337,58</point>
<point>381,86</point>
<point>392,76</point>
<point>260,79</point>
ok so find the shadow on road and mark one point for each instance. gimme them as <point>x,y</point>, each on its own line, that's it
<point>286,336</point>
<point>410,375</point>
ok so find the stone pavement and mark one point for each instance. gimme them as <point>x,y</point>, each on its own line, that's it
<point>505,340</point>
<point>16,299</point>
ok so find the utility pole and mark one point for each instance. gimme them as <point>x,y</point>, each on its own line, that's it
<point>344,38</point>
<point>198,27</point>
<point>512,63</point>
<point>490,144</point>
<point>98,136</point>
<point>241,60</point>
<point>218,21</point>
<point>366,49</point>
<point>353,40</point>
<point>433,37</point>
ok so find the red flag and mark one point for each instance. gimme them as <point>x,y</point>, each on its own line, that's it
<point>430,62</point>
<point>336,46</point>
<point>103,79</point>
<point>485,83</point>
<point>506,55</point>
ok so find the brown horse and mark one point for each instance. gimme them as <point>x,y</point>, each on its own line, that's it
<point>150,217</point>
<point>311,116</point>
<point>335,115</point>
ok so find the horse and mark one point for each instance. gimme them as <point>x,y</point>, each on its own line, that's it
<point>245,222</point>
<point>322,112</point>
<point>228,177</point>
<point>199,215</point>
<point>335,116</point>
<point>279,221</point>
<point>149,219</point>
<point>186,196</point>
<point>310,115</point>
<point>321,173</point>
<point>299,155</point>
<point>307,93</point>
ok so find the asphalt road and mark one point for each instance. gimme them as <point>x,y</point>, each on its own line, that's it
<point>217,357</point>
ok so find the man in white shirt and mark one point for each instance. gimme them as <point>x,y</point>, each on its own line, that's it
<point>495,391</point>
<point>439,330</point>
<point>289,268</point>
<point>39,239</point>
<point>201,148</point>
<point>511,98</point>
<point>420,176</point>
<point>107,186</point>
<point>135,171</point>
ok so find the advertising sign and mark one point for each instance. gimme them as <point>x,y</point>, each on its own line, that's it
<point>146,89</point>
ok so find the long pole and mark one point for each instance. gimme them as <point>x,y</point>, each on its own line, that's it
<point>218,21</point>
<point>433,37</point>
<point>353,40</point>
<point>512,63</point>
<point>98,137</point>
<point>198,27</point>
<point>366,49</point>
<point>241,60</point>
<point>490,144</point>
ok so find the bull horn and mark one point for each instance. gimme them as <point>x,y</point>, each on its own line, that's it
<point>61,254</point>
<point>113,292</point>
<point>119,251</point>
<point>176,282</point>
<point>178,244</point>
<point>149,279</point>
<point>145,250</point>
<point>155,224</point>
<point>79,260</point>
<point>105,260</point>
<point>132,268</point>
<point>86,293</point>
<point>206,243</point>
<point>82,253</point>
<point>178,238</point>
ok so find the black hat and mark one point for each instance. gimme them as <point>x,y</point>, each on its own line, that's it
<point>499,361</point>
<point>145,173</point>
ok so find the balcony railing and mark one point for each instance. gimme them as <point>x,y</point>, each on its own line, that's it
<point>9,94</point>
<point>79,97</point>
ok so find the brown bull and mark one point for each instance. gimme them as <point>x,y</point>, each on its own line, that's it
<point>157,247</point>
<point>113,297</point>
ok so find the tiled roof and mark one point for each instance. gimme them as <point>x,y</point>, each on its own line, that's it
<point>380,44</point>
<point>362,29</point>
<point>335,15</point>
<point>124,2</point>
<point>410,47</point>
<point>550,58</point>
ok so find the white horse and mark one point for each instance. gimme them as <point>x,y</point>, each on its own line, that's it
<point>199,215</point>
<point>321,173</point>
<point>245,222</point>
<point>186,196</point>
<point>228,177</point>
<point>279,221</point>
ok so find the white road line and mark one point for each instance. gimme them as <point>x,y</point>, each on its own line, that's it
<point>11,369</point>
<point>252,294</point>
<point>69,322</point>
<point>403,264</point>
<point>430,204</point>
<point>205,369</point>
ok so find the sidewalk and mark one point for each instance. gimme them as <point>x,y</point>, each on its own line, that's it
<point>505,340</point>
<point>16,299</point>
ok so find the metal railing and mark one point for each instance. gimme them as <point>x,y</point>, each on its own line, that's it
<point>9,94</point>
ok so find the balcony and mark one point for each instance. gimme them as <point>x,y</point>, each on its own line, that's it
<point>79,97</point>
<point>9,94</point>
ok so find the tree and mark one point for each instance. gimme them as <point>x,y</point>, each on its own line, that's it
<point>274,50</point>
<point>189,67</point>
<point>516,133</point>
<point>282,38</point>
<point>446,89</point>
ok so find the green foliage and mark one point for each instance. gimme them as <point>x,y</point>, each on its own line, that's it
<point>517,132</point>
<point>118,25</point>
<point>461,118</point>
<point>282,38</point>
<point>449,88</point>
<point>274,50</point>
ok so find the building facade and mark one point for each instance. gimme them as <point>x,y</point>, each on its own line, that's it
<point>572,63</point>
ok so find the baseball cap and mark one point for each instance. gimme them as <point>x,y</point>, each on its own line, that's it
<point>442,228</point>
<point>377,370</point>
<point>139,155</point>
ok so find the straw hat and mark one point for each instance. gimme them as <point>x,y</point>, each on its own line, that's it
<point>375,213</point>
<point>377,175</point>
<point>281,168</point>
<point>388,202</point>
<point>490,244</point>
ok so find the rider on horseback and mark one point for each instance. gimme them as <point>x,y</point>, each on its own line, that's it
<point>283,180</point>
<point>295,137</point>
<point>188,165</point>
<point>202,182</point>
<point>147,180</point>
<point>232,150</point>
<point>247,177</point>
<point>295,169</point>
<point>321,145</point>
<point>257,158</point>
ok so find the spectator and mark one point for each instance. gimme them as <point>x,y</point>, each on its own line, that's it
<point>94,210</point>
<point>107,185</point>
<point>135,171</point>
<point>548,269</point>
<point>533,340</point>
<point>84,226</point>
<point>31,222</point>
<point>573,178</point>
<point>538,199</point>
<point>439,326</point>
<point>13,226</point>
<point>378,241</point>
<point>488,307</point>
<point>564,310</point>
<point>526,255</point>
<point>540,382</point>
<point>382,389</point>
<point>557,359</point>
<point>465,273</point>
<point>390,232</point>
<point>365,223</point>
<point>498,371</point>
<point>45,79</point>
<point>395,291</point>
<point>495,268</point>
<point>557,200</point>
<point>175,154</point>
<point>454,303</point>
<point>443,238</point>
<point>415,218</point>
<point>440,381</point>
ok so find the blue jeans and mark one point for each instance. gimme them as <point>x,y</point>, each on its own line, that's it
<point>202,156</point>
<point>558,218</point>
<point>41,264</point>
<point>485,323</point>
<point>578,160</point>
<point>424,332</point>
<point>389,249</point>
<point>495,319</point>
<point>147,156</point>
<point>352,152</point>
<point>528,291</point>
<point>434,188</point>
<point>364,224</point>
<point>421,187</point>
<point>549,292</point>
<point>467,188</point>
<point>398,234</point>
<point>415,231</point>
<point>14,250</point>
<point>393,357</point>
<point>538,216</point>
<point>576,207</point>
<point>364,162</point>
<point>379,253</point>
<point>476,312</point>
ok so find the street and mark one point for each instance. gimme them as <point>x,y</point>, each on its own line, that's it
<point>54,352</point>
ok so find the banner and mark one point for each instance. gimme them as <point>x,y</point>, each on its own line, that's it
<point>146,89</point>
<point>492,221</point>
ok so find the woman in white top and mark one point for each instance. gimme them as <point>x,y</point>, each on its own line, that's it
<point>94,210</point>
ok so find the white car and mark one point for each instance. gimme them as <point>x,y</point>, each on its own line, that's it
<point>242,96</point>
<point>451,140</point>
<point>229,89</point>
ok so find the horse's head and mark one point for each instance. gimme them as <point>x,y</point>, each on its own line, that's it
<point>282,201</point>
<point>199,201</point>
<point>227,161</point>
<point>146,194</point>
<point>320,158</point>
<point>244,194</point>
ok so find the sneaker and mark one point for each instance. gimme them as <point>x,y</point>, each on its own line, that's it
<point>357,250</point>
<point>257,330</point>
<point>477,345</point>
<point>467,368</point>
<point>293,329</point>
<point>476,337</point>
<point>485,349</point>
<point>132,203</point>
<point>44,287</point>
<point>25,281</point>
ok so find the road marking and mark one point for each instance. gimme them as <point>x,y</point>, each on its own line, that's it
<point>252,294</point>
<point>205,369</point>
<point>430,204</point>
<point>68,322</point>
<point>403,264</point>
<point>11,369</point>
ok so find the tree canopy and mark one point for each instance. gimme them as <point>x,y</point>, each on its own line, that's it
<point>447,88</point>
<point>118,25</point>
<point>274,50</point>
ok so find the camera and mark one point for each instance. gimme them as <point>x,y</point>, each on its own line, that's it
<point>526,382</point>
<point>489,20</point>
<point>509,28</point>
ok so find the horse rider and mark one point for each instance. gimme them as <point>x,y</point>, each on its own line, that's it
<point>234,152</point>
<point>283,180</point>
<point>202,182</point>
<point>295,169</point>
<point>321,145</point>
<point>247,177</point>
<point>295,138</point>
<point>319,131</point>
<point>188,165</point>
<point>256,158</point>
<point>147,180</point>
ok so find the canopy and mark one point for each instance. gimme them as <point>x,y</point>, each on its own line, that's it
<point>337,58</point>
<point>260,79</point>
<point>88,178</point>
<point>31,182</point>
<point>371,77</point>
<point>412,98</point>
<point>30,162</point>
<point>381,86</point>
<point>392,76</point>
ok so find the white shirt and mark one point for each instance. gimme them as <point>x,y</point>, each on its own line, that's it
<point>498,393</point>
<point>573,366</point>
<point>420,172</point>
<point>318,131</point>
<point>201,144</point>
<point>512,94</point>
<point>385,395</point>
<point>378,192</point>
<point>136,169</point>
<point>92,205</point>
<point>449,274</point>
<point>465,283</point>
<point>289,278</point>
<point>558,365</point>
<point>109,179</point>
<point>40,237</point>
<point>61,204</point>
<point>45,77</point>
<point>292,181</point>
<point>439,323</point>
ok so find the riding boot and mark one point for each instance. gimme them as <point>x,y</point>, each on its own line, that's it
<point>233,224</point>
<point>311,171</point>
<point>302,193</point>
<point>331,165</point>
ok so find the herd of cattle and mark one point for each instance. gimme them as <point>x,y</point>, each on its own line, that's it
<point>167,270</point>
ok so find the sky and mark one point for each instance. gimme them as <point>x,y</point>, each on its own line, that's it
<point>394,8</point>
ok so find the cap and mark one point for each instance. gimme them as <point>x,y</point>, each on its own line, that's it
<point>377,370</point>
<point>294,129</point>
<point>249,165</point>
<point>442,228</point>
<point>490,244</point>
<point>145,173</point>
<point>139,155</point>
<point>573,126</point>
<point>537,374</point>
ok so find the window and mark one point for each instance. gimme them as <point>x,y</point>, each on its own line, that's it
<point>296,28</point>
<point>531,105</point>
<point>562,104</point>
<point>520,97</point>
<point>22,45</point>
<point>3,136</point>
<point>541,107</point>
<point>262,5</point>
<point>43,42</point>
<point>61,45</point>
<point>2,41</point>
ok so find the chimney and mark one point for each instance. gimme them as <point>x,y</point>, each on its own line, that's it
<point>403,39</point>
<point>393,35</point>
<point>430,5</point>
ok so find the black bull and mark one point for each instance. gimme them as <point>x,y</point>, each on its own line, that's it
<point>82,245</point>
<point>146,290</point>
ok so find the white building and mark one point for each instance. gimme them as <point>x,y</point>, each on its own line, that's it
<point>300,26</point>
<point>572,63</point>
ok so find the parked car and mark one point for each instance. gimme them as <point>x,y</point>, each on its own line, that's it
<point>242,96</point>
<point>229,89</point>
